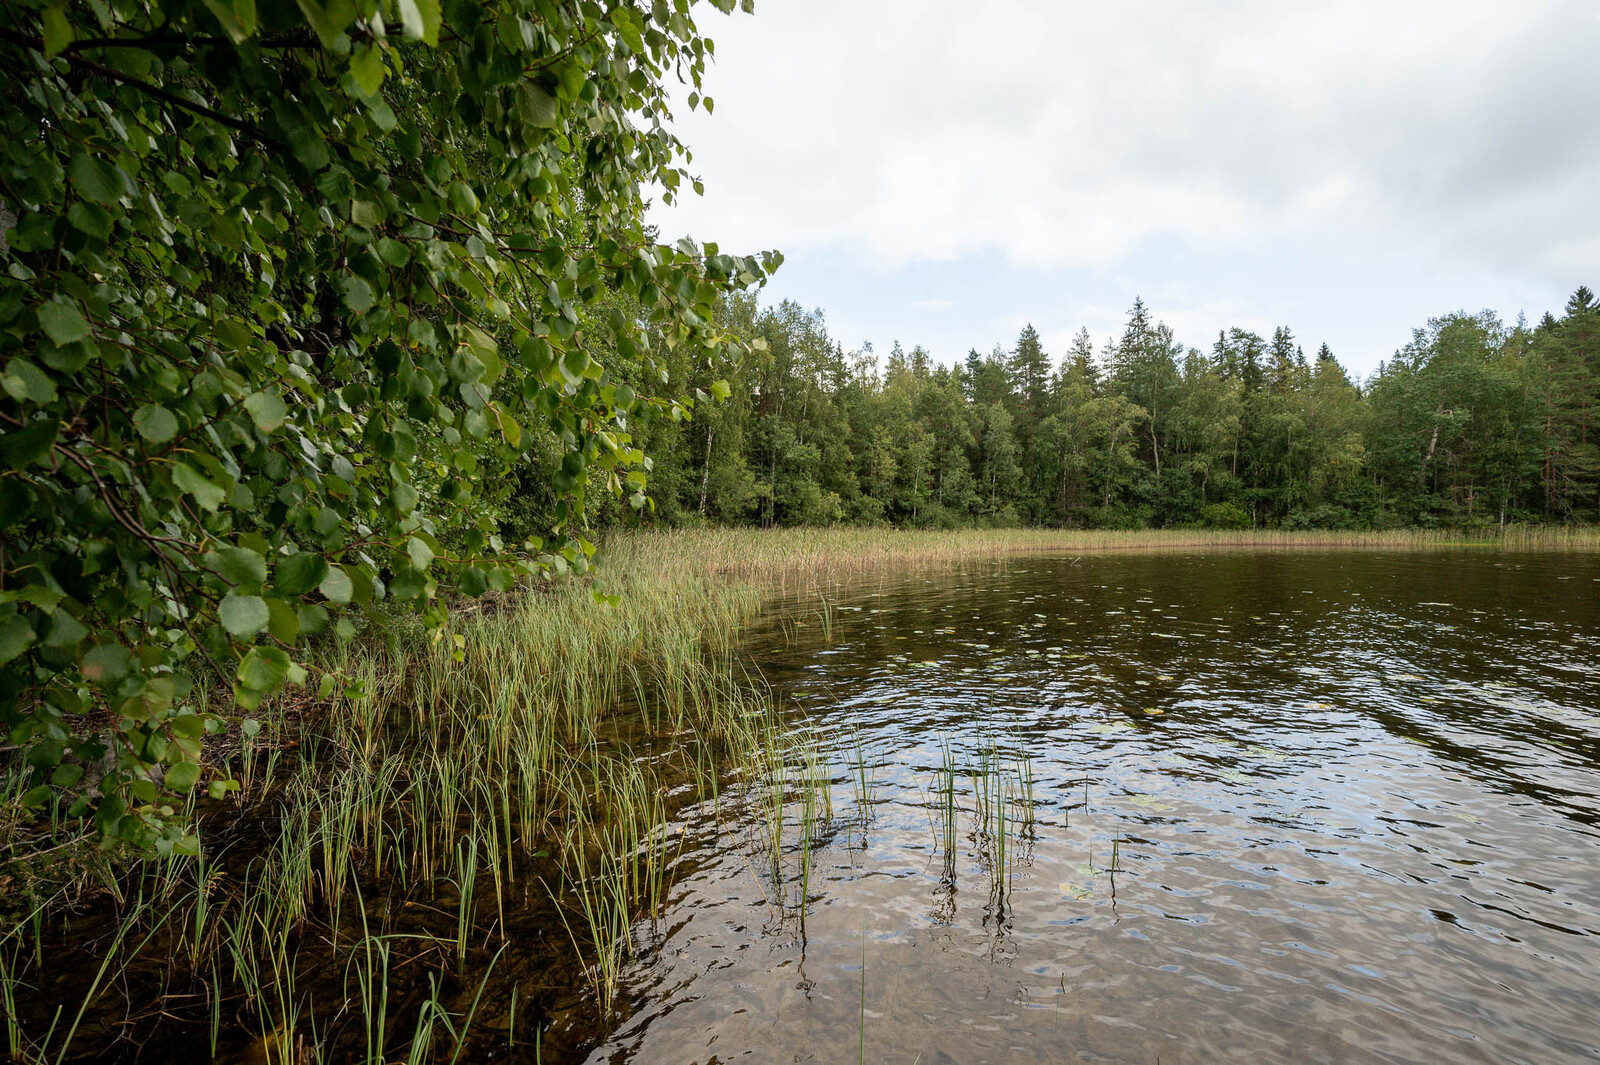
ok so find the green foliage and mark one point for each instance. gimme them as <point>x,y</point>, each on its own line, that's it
<point>1224,516</point>
<point>1472,423</point>
<point>287,291</point>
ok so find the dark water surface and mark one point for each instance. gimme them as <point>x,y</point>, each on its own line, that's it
<point>1355,799</point>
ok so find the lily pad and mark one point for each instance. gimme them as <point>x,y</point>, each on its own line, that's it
<point>1103,728</point>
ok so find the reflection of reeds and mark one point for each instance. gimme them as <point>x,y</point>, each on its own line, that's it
<point>1001,787</point>
<point>861,1031</point>
<point>816,811</point>
<point>947,801</point>
<point>793,787</point>
<point>862,765</point>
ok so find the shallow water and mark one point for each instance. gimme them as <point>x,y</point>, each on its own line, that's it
<point>1286,806</point>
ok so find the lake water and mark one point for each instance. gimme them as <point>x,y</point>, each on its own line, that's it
<point>1256,806</point>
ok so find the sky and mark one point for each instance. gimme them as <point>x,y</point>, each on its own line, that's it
<point>943,172</point>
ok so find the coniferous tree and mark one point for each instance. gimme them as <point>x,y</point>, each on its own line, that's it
<point>1469,423</point>
<point>1030,375</point>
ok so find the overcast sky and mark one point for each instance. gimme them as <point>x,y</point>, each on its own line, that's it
<point>942,171</point>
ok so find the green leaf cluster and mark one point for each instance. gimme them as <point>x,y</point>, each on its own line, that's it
<point>285,290</point>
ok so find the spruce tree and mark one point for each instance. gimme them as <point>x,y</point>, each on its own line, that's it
<point>1080,359</point>
<point>1030,374</point>
<point>1282,365</point>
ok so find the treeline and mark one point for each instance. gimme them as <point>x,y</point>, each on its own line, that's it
<point>1470,423</point>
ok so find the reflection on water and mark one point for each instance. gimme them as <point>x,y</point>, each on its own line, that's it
<point>1188,808</point>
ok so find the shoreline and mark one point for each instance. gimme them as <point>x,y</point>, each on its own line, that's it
<point>464,788</point>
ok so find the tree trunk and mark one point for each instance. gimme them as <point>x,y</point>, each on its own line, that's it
<point>705,475</point>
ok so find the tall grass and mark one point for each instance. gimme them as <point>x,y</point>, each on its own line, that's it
<point>546,736</point>
<point>543,723</point>
<point>817,558</point>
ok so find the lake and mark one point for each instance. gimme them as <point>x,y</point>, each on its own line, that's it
<point>1267,806</point>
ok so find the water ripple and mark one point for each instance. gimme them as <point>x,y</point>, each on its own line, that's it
<point>1284,808</point>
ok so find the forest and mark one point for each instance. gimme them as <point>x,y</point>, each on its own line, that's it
<point>313,316</point>
<point>379,510</point>
<point>1470,423</point>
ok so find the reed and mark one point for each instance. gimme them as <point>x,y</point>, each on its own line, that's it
<point>991,799</point>
<point>814,559</point>
<point>371,958</point>
<point>429,1014</point>
<point>825,614</point>
<point>214,992</point>
<point>279,1005</point>
<point>127,925</point>
<point>773,794</point>
<point>200,925</point>
<point>8,1001</point>
<point>460,1034</point>
<point>949,823</point>
<point>466,879</point>
<point>863,764</point>
<point>816,810</point>
<point>547,721</point>
<point>1025,789</point>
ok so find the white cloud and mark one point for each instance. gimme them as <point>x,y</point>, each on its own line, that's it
<point>1067,135</point>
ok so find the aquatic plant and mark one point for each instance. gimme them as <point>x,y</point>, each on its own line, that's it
<point>547,737</point>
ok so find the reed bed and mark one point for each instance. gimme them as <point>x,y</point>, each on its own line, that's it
<point>812,561</point>
<point>521,760</point>
<point>351,899</point>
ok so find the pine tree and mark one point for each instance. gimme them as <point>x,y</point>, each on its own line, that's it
<point>1570,350</point>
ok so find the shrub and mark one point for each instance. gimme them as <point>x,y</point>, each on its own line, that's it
<point>289,289</point>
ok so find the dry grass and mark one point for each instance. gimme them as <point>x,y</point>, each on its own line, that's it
<point>800,557</point>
